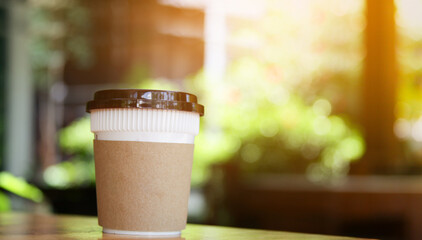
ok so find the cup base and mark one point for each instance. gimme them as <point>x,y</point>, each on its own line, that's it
<point>145,234</point>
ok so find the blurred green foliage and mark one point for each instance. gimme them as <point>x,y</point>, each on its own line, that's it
<point>59,32</point>
<point>76,142</point>
<point>409,53</point>
<point>408,111</point>
<point>17,186</point>
<point>267,128</point>
<point>77,138</point>
<point>303,46</point>
<point>290,93</point>
<point>4,203</point>
<point>75,172</point>
<point>20,187</point>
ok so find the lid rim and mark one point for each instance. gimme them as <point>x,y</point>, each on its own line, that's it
<point>145,99</point>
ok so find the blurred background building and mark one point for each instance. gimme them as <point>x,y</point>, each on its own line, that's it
<point>313,108</point>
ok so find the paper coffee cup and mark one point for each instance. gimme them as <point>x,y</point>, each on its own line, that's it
<point>143,152</point>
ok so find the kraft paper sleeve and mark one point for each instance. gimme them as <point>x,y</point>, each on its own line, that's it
<point>142,186</point>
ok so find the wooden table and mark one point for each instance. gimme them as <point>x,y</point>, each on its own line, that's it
<point>21,226</point>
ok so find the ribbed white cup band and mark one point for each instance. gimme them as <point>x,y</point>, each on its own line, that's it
<point>144,125</point>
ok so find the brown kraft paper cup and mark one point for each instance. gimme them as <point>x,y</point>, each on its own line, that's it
<point>143,159</point>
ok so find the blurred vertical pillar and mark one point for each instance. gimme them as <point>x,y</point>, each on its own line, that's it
<point>19,94</point>
<point>215,56</point>
<point>215,41</point>
<point>379,90</point>
<point>3,60</point>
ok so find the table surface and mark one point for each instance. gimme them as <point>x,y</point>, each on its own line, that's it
<point>14,226</point>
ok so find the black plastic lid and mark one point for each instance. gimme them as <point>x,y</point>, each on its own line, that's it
<point>145,98</point>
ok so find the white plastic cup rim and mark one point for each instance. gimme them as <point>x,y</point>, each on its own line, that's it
<point>145,125</point>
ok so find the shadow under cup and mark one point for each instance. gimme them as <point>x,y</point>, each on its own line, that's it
<point>143,152</point>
